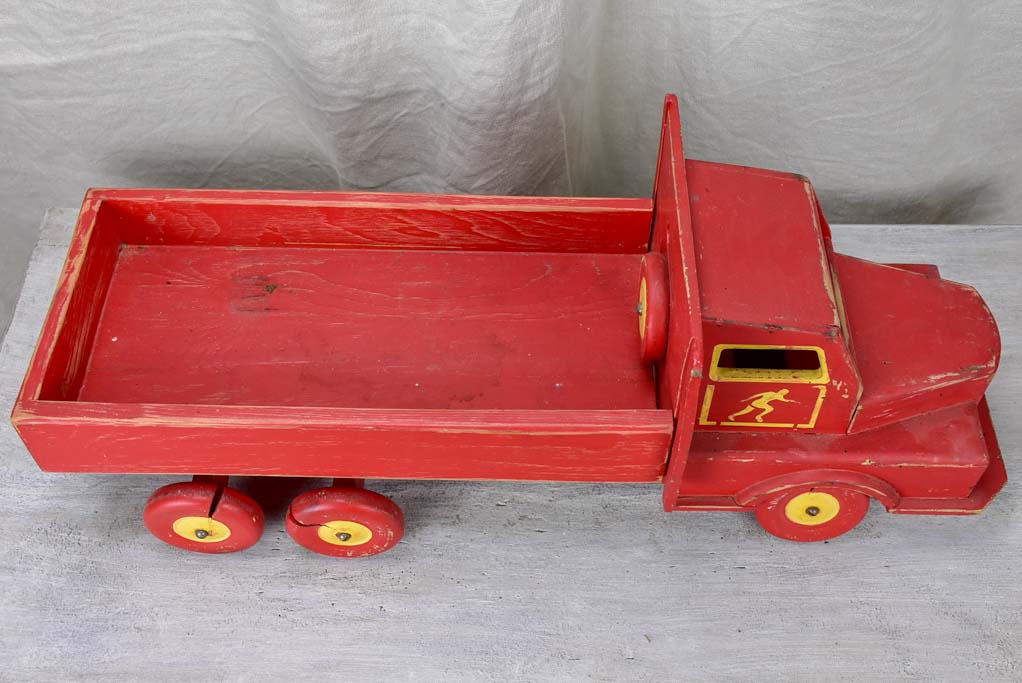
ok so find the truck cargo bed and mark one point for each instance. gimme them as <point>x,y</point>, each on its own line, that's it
<point>348,335</point>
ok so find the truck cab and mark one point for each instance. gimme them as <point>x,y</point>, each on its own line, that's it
<point>799,338</point>
<point>808,372</point>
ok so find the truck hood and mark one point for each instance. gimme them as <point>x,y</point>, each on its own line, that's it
<point>920,343</point>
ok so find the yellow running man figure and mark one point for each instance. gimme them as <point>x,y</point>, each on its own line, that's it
<point>761,402</point>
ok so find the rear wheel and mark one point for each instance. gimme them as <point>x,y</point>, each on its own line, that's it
<point>345,522</point>
<point>815,513</point>
<point>203,517</point>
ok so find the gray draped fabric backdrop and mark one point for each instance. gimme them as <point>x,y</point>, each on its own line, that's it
<point>899,112</point>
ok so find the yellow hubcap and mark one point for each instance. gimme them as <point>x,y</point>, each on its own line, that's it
<point>642,308</point>
<point>201,529</point>
<point>344,532</point>
<point>812,508</point>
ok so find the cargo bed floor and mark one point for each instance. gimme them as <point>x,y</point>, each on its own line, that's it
<point>370,328</point>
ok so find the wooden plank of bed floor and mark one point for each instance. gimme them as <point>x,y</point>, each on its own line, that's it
<point>381,329</point>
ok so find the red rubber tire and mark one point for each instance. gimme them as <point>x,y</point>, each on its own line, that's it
<point>311,512</point>
<point>654,300</point>
<point>775,515</point>
<point>192,500</point>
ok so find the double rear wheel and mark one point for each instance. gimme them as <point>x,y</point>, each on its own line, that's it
<point>207,516</point>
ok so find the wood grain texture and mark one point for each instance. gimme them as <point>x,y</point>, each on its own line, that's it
<point>939,454</point>
<point>930,344</point>
<point>680,374</point>
<point>252,308</point>
<point>367,220</point>
<point>352,328</point>
<point>78,302</point>
<point>502,581</point>
<point>765,278</point>
<point>761,225</point>
<point>544,445</point>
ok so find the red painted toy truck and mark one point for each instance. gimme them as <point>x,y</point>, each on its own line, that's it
<point>353,336</point>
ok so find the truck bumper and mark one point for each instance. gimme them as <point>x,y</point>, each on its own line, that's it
<point>989,484</point>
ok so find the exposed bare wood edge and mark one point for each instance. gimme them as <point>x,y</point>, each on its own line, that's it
<point>52,333</point>
<point>825,329</point>
<point>256,417</point>
<point>682,368</point>
<point>599,478</point>
<point>383,200</point>
<point>593,226</point>
<point>860,481</point>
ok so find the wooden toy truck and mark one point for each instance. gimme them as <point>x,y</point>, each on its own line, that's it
<point>353,336</point>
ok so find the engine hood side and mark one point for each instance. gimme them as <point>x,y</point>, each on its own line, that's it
<point>921,343</point>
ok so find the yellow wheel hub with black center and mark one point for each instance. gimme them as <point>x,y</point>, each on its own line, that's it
<point>345,532</point>
<point>812,508</point>
<point>201,529</point>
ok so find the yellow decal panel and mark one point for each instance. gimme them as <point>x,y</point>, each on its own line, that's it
<point>768,386</point>
<point>761,405</point>
<point>753,411</point>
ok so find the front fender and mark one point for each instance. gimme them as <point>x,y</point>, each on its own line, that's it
<point>856,481</point>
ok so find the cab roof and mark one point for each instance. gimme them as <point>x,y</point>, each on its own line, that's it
<point>760,248</point>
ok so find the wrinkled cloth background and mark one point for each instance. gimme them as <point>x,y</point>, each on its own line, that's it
<point>898,112</point>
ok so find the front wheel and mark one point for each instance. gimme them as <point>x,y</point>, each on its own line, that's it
<point>815,513</point>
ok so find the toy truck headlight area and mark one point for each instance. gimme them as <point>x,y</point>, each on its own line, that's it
<point>351,336</point>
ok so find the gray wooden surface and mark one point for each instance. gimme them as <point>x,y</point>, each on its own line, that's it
<point>499,581</point>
